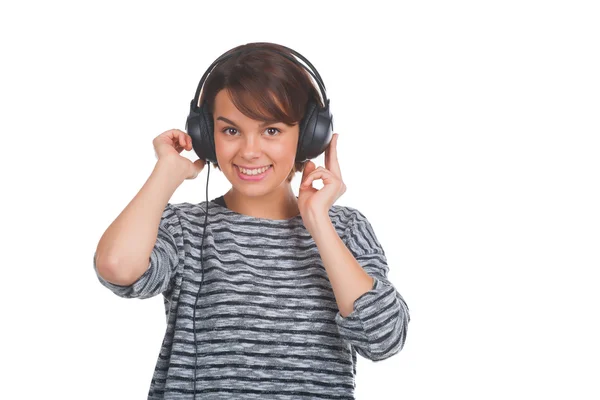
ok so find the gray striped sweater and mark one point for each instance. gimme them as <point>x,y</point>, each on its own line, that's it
<point>267,323</point>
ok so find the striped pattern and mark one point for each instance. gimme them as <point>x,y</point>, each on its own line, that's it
<point>267,324</point>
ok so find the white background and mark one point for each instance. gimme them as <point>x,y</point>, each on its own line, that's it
<point>469,136</point>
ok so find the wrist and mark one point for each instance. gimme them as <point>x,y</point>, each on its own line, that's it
<point>172,168</point>
<point>317,223</point>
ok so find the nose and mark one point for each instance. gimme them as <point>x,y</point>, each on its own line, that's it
<point>251,147</point>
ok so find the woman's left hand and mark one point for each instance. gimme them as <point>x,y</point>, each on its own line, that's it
<point>315,203</point>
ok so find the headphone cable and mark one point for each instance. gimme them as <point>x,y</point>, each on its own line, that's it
<point>201,280</point>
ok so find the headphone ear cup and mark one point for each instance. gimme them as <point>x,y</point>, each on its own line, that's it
<point>315,131</point>
<point>208,135</point>
<point>311,109</point>
<point>194,127</point>
<point>199,125</point>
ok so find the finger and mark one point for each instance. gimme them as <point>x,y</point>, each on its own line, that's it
<point>328,155</point>
<point>320,173</point>
<point>173,137</point>
<point>331,159</point>
<point>308,168</point>
<point>312,170</point>
<point>172,133</point>
<point>308,183</point>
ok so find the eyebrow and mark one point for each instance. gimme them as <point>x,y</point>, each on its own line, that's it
<point>234,124</point>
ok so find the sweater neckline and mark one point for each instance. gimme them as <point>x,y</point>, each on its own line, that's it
<point>219,202</point>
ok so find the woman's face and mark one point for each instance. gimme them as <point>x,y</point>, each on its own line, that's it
<point>242,141</point>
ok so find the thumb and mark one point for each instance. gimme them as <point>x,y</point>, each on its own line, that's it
<point>199,164</point>
<point>308,168</point>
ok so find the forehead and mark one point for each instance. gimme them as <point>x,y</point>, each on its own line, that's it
<point>224,107</point>
<point>253,110</point>
<point>223,103</point>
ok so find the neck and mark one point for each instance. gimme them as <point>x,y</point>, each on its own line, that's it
<point>278,204</point>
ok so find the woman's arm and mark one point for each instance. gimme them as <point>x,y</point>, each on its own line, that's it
<point>124,250</point>
<point>373,317</point>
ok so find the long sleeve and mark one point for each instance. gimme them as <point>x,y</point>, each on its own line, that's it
<point>378,324</point>
<point>167,255</point>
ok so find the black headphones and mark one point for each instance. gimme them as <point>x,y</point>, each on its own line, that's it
<point>315,134</point>
<point>315,128</point>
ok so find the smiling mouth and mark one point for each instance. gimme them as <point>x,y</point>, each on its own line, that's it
<point>255,176</point>
<point>262,166</point>
<point>262,169</point>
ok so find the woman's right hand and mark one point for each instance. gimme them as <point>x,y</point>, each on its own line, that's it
<point>169,145</point>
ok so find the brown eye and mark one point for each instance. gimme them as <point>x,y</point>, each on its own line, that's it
<point>275,129</point>
<point>226,130</point>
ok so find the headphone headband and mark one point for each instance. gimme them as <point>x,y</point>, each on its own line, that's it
<point>314,128</point>
<point>226,56</point>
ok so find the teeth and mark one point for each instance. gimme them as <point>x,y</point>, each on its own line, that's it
<point>254,171</point>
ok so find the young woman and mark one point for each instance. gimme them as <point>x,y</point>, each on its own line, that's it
<point>289,288</point>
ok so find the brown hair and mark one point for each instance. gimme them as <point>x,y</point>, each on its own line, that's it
<point>264,85</point>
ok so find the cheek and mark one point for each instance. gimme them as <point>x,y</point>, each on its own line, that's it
<point>223,155</point>
<point>280,151</point>
<point>285,151</point>
<point>224,149</point>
